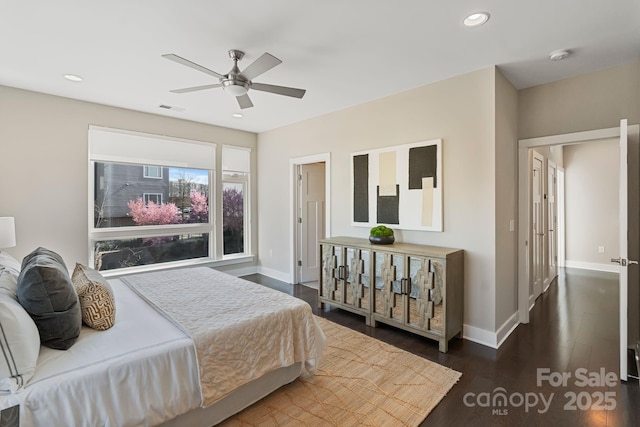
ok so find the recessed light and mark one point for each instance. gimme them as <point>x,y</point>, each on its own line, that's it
<point>237,115</point>
<point>476,19</point>
<point>73,77</point>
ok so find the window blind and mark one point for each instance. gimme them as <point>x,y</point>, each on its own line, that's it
<point>114,145</point>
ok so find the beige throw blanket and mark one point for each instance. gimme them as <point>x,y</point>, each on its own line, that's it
<point>241,330</point>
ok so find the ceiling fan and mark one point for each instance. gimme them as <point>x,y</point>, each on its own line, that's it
<point>237,82</point>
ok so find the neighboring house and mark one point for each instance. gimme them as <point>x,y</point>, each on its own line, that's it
<point>117,184</point>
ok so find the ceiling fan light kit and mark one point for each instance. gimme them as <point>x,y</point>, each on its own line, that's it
<point>237,82</point>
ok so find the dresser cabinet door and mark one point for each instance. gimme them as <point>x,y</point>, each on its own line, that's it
<point>425,294</point>
<point>332,268</point>
<point>388,296</point>
<point>357,277</point>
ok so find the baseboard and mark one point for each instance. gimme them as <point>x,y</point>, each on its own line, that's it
<point>507,328</point>
<point>479,335</point>
<point>238,272</point>
<point>611,268</point>
<point>488,338</point>
<point>275,274</point>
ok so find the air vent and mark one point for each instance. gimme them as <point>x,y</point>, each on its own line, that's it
<point>171,107</point>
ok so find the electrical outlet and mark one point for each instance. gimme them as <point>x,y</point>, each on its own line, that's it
<point>600,249</point>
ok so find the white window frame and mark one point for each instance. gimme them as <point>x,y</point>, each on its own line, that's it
<point>146,196</point>
<point>147,168</point>
<point>239,177</point>
<point>144,155</point>
<point>116,233</point>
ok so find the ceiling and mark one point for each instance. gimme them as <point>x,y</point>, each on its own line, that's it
<point>343,53</point>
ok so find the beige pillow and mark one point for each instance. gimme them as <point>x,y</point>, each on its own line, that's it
<point>96,298</point>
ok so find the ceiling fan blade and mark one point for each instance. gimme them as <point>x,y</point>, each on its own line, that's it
<point>280,90</point>
<point>195,88</point>
<point>244,101</point>
<point>260,65</point>
<point>181,60</point>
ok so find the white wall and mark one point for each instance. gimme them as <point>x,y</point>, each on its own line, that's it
<point>461,111</point>
<point>44,171</point>
<point>591,187</point>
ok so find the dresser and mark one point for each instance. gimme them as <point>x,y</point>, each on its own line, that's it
<point>417,288</point>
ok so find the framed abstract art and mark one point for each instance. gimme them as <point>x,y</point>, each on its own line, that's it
<point>398,186</point>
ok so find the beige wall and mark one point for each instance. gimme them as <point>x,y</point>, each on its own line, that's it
<point>44,172</point>
<point>591,203</point>
<point>461,111</point>
<point>591,101</point>
<point>506,199</point>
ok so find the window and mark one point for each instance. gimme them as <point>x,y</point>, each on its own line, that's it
<point>152,172</point>
<point>136,221</point>
<point>153,198</point>
<point>235,181</point>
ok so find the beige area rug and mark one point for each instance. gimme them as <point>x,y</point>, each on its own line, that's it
<point>361,381</point>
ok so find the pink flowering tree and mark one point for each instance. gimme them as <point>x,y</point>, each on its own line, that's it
<point>199,207</point>
<point>233,220</point>
<point>152,213</point>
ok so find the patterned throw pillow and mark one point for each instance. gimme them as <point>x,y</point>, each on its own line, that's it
<point>96,298</point>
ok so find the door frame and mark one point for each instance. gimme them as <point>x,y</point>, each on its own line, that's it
<point>524,196</point>
<point>551,223</point>
<point>560,224</point>
<point>294,163</point>
<point>537,288</point>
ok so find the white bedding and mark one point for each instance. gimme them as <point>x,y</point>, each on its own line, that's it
<point>150,365</point>
<point>153,366</point>
<point>241,330</point>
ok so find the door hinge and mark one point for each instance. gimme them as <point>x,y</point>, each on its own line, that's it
<point>300,177</point>
<point>299,220</point>
<point>299,263</point>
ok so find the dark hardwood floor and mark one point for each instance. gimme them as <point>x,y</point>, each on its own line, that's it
<point>573,331</point>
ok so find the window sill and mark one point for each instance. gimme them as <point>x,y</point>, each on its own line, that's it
<point>230,260</point>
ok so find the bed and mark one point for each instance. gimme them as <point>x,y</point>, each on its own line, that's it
<point>189,347</point>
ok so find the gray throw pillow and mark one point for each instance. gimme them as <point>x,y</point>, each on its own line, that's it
<point>47,294</point>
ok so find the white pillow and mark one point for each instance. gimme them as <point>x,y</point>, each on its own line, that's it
<point>9,271</point>
<point>20,342</point>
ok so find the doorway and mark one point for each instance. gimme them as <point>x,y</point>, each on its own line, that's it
<point>310,209</point>
<point>311,201</point>
<point>526,238</point>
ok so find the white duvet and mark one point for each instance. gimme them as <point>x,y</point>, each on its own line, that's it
<point>241,330</point>
<point>204,334</point>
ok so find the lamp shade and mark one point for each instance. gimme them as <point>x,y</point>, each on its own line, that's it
<point>7,232</point>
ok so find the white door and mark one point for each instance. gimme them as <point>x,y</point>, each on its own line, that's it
<point>629,219</point>
<point>537,227</point>
<point>552,222</point>
<point>312,219</point>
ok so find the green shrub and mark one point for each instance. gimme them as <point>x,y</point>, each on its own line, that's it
<point>381,231</point>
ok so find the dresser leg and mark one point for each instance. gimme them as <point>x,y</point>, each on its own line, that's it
<point>443,346</point>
